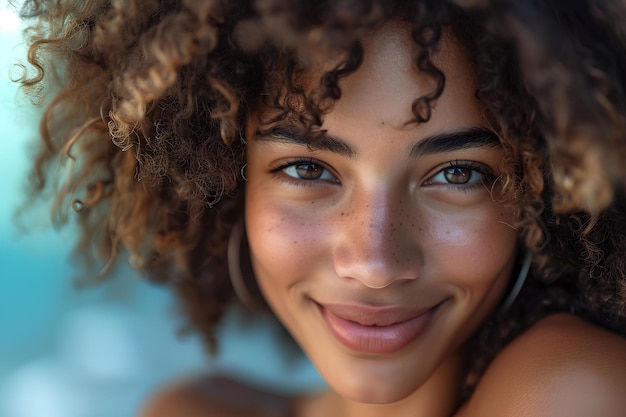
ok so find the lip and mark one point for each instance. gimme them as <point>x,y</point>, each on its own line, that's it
<point>374,330</point>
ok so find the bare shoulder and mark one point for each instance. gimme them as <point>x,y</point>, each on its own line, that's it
<point>562,366</point>
<point>214,397</point>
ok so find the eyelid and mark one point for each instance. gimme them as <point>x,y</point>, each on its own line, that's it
<point>483,169</point>
<point>290,162</point>
<point>285,163</point>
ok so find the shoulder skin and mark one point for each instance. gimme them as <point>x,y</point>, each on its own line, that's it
<point>561,367</point>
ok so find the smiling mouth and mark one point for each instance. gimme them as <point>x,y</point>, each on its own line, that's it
<point>375,331</point>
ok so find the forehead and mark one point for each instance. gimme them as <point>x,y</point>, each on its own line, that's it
<point>389,78</point>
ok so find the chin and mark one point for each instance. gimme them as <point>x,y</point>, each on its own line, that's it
<point>373,390</point>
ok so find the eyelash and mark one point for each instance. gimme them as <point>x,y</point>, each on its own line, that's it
<point>301,182</point>
<point>474,167</point>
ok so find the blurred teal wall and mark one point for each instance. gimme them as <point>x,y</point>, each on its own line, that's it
<point>29,293</point>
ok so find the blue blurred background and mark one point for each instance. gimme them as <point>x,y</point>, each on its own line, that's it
<point>96,352</point>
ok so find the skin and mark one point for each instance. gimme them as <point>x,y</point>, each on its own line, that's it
<point>561,367</point>
<point>375,214</point>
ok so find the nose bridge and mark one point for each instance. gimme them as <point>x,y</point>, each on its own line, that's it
<point>376,225</point>
<point>375,247</point>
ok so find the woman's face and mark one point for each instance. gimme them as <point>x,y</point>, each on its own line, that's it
<point>410,210</point>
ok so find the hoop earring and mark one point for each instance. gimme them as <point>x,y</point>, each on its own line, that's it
<point>519,282</point>
<point>234,268</point>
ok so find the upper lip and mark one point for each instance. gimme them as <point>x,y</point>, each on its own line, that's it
<point>375,316</point>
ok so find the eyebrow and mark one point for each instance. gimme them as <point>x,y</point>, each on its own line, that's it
<point>326,143</point>
<point>475,137</point>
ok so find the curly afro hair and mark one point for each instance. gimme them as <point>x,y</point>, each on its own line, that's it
<point>150,98</point>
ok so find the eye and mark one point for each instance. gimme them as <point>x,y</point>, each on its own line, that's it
<point>307,171</point>
<point>458,175</point>
<point>462,174</point>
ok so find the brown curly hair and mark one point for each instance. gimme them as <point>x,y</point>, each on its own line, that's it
<point>151,100</point>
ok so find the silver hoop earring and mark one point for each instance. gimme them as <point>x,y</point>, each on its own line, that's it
<point>234,268</point>
<point>243,172</point>
<point>519,282</point>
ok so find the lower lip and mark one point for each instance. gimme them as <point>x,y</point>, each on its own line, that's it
<point>374,339</point>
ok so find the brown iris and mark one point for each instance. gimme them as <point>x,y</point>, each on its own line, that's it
<point>458,175</point>
<point>309,171</point>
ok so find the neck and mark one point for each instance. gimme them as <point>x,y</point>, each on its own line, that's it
<point>438,397</point>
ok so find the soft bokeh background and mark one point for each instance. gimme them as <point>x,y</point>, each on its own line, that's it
<point>96,352</point>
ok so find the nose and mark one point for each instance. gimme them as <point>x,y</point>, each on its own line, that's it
<point>376,242</point>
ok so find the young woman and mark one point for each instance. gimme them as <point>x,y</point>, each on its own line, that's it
<point>429,196</point>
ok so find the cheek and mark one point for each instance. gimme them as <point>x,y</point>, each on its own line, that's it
<point>474,246</point>
<point>283,242</point>
<point>472,254</point>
